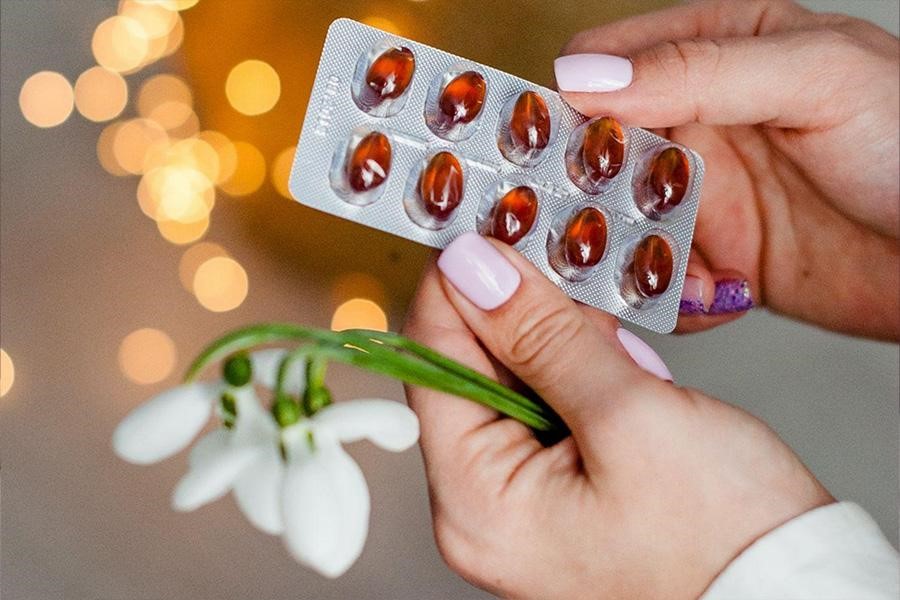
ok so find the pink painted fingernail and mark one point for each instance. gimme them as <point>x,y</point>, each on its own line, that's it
<point>479,271</point>
<point>692,297</point>
<point>592,73</point>
<point>645,356</point>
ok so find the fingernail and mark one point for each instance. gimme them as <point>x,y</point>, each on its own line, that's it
<point>732,295</point>
<point>479,271</point>
<point>692,297</point>
<point>645,356</point>
<point>592,72</point>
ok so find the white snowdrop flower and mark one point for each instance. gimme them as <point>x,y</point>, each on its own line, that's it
<point>296,481</point>
<point>325,500</point>
<point>166,424</point>
<point>246,459</point>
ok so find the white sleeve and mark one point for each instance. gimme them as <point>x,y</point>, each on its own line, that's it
<point>832,552</point>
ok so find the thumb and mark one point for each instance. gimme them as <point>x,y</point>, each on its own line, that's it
<point>780,79</point>
<point>576,362</point>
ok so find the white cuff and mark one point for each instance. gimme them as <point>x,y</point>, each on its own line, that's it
<point>832,552</point>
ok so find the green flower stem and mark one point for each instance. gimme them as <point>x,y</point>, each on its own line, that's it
<point>398,341</point>
<point>418,365</point>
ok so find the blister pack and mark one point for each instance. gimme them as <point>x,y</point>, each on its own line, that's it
<point>426,145</point>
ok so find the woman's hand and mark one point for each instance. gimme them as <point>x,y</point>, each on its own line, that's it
<point>655,492</point>
<point>796,116</point>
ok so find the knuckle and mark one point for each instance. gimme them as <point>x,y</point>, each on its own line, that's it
<point>542,333</point>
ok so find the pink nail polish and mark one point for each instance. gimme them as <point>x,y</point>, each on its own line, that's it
<point>643,354</point>
<point>479,271</point>
<point>592,73</point>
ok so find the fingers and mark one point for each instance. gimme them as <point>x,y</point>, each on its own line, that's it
<point>710,298</point>
<point>716,19</point>
<point>577,365</point>
<point>712,79</point>
<point>445,419</point>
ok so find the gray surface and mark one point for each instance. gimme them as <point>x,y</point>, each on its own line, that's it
<point>81,268</point>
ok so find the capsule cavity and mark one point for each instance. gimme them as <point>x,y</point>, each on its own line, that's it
<point>514,215</point>
<point>441,186</point>
<point>584,240</point>
<point>387,77</point>
<point>652,266</point>
<point>369,163</point>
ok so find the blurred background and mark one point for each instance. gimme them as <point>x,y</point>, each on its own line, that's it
<point>144,212</point>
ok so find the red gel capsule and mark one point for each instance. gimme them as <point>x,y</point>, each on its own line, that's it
<point>441,185</point>
<point>603,149</point>
<point>369,163</point>
<point>653,266</point>
<point>585,238</point>
<point>461,99</point>
<point>514,215</point>
<point>388,76</point>
<point>667,180</point>
<point>529,125</point>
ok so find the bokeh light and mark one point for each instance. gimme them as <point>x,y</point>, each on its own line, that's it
<point>176,193</point>
<point>155,19</point>
<point>147,355</point>
<point>100,94</point>
<point>179,233</point>
<point>190,153</point>
<point>166,99</point>
<point>249,172</point>
<point>253,87</point>
<point>357,285</point>
<point>225,151</point>
<point>359,313</point>
<point>7,373</point>
<point>382,23</point>
<point>105,153</point>
<point>281,170</point>
<point>133,140</point>
<point>120,44</point>
<point>46,99</point>
<point>193,257</point>
<point>220,284</point>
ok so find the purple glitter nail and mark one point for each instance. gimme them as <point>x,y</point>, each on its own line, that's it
<point>732,295</point>
<point>691,306</point>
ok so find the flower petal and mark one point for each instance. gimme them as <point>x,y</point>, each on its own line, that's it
<point>212,477</point>
<point>210,445</point>
<point>265,370</point>
<point>388,424</point>
<point>253,424</point>
<point>165,424</point>
<point>258,492</point>
<point>326,509</point>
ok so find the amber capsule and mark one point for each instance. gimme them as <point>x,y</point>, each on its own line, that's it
<point>514,215</point>
<point>441,185</point>
<point>585,238</point>
<point>461,99</point>
<point>388,76</point>
<point>653,266</point>
<point>603,149</point>
<point>369,163</point>
<point>529,124</point>
<point>667,180</point>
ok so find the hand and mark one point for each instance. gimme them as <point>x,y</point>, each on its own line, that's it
<point>796,116</point>
<point>655,492</point>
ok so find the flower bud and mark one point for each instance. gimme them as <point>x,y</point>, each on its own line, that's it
<point>315,399</point>
<point>285,410</point>
<point>237,370</point>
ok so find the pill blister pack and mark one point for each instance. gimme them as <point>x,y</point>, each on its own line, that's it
<point>427,145</point>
